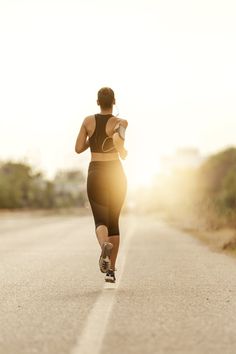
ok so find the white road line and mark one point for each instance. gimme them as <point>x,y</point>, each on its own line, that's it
<point>91,338</point>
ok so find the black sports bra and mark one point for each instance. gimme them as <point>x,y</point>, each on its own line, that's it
<point>99,141</point>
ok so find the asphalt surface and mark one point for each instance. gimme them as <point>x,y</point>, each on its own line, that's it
<point>174,294</point>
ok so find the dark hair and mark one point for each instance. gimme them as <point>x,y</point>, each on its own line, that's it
<point>106,97</point>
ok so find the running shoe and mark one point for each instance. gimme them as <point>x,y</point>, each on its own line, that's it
<point>110,276</point>
<point>104,260</point>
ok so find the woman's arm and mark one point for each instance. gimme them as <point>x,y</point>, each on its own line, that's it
<point>118,141</point>
<point>82,141</point>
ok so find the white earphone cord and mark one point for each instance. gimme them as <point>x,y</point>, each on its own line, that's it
<point>109,137</point>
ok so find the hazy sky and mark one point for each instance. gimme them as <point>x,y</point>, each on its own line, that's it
<point>171,64</point>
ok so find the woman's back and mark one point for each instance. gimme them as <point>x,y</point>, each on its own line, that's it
<point>100,129</point>
<point>111,122</point>
<point>100,141</point>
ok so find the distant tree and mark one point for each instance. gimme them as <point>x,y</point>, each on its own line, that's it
<point>215,169</point>
<point>15,183</point>
<point>70,188</point>
<point>217,185</point>
<point>229,188</point>
<point>21,187</point>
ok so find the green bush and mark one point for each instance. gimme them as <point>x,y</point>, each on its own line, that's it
<point>20,187</point>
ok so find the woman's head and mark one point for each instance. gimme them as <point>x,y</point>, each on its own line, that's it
<point>106,98</point>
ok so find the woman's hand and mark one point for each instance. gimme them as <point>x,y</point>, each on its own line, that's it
<point>123,153</point>
<point>119,145</point>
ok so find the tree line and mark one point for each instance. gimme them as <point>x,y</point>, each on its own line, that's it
<point>22,187</point>
<point>205,195</point>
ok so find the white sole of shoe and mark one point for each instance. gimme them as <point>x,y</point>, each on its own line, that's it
<point>105,257</point>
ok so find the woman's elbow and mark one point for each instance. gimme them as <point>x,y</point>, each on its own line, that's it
<point>78,149</point>
<point>125,123</point>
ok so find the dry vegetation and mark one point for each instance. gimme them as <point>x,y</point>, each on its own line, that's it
<point>201,201</point>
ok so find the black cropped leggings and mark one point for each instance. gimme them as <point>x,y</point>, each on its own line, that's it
<point>106,189</point>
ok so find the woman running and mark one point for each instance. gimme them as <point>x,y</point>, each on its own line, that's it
<point>106,181</point>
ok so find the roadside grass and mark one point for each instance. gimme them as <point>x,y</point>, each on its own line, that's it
<point>210,230</point>
<point>44,212</point>
<point>222,240</point>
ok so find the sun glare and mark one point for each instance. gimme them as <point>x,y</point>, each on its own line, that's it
<point>177,95</point>
<point>144,179</point>
<point>142,172</point>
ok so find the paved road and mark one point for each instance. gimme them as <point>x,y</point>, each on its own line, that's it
<point>174,295</point>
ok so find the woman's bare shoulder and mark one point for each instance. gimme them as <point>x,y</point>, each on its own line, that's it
<point>88,118</point>
<point>88,121</point>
